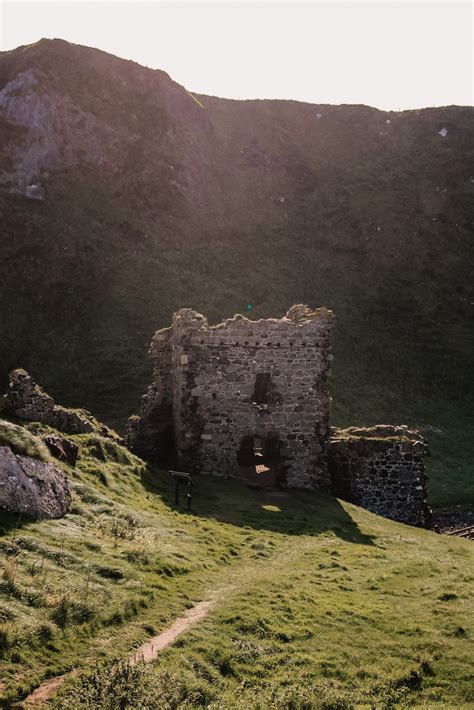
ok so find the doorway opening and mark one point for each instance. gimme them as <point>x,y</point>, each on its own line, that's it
<point>260,462</point>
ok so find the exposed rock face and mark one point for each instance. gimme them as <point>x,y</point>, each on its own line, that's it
<point>39,114</point>
<point>242,393</point>
<point>381,468</point>
<point>49,129</point>
<point>27,400</point>
<point>62,449</point>
<point>31,486</point>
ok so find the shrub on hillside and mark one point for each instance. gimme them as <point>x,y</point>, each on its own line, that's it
<point>4,638</point>
<point>45,633</point>
<point>134,686</point>
<point>71,611</point>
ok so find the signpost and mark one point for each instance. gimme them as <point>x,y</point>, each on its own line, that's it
<point>183,479</point>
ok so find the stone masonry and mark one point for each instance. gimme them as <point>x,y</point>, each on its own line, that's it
<point>252,396</point>
<point>381,468</point>
<point>217,388</point>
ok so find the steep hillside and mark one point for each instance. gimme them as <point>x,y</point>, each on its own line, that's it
<point>143,199</point>
<point>315,603</point>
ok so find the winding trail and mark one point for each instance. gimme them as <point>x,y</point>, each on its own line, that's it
<point>46,691</point>
<point>151,648</point>
<point>147,652</point>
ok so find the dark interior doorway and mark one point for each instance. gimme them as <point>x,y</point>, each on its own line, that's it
<point>166,444</point>
<point>260,462</point>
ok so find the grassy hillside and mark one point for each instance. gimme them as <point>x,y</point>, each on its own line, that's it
<point>318,603</point>
<point>157,200</point>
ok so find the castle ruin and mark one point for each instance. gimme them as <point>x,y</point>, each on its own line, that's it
<point>250,399</point>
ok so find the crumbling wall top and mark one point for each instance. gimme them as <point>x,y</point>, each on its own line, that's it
<point>187,322</point>
<point>300,314</point>
<point>379,437</point>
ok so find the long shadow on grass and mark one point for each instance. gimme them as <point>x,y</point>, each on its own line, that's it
<point>289,512</point>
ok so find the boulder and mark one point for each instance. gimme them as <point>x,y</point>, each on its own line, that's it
<point>62,449</point>
<point>31,486</point>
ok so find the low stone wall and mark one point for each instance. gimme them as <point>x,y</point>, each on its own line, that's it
<point>381,469</point>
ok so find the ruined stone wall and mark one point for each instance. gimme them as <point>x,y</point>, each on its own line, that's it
<point>151,434</point>
<point>382,469</point>
<point>219,389</point>
<point>215,374</point>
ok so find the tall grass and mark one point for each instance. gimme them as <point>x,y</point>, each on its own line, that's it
<point>23,442</point>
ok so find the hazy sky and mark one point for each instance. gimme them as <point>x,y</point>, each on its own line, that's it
<point>385,54</point>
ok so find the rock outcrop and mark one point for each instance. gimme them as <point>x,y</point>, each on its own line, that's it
<point>31,486</point>
<point>27,400</point>
<point>62,449</point>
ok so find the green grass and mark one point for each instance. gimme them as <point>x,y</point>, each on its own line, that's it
<point>332,623</point>
<point>319,603</point>
<point>451,467</point>
<point>22,442</point>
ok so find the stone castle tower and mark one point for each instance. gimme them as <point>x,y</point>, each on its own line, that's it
<point>242,393</point>
<point>250,399</point>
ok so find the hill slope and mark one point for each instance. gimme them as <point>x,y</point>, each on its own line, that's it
<point>317,602</point>
<point>153,199</point>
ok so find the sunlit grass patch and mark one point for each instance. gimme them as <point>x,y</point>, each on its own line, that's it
<point>316,601</point>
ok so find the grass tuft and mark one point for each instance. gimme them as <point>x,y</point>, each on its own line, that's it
<point>22,442</point>
<point>10,569</point>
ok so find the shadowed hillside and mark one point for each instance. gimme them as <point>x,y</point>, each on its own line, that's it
<point>124,198</point>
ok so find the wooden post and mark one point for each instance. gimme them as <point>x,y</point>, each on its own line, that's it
<point>189,497</point>
<point>181,478</point>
